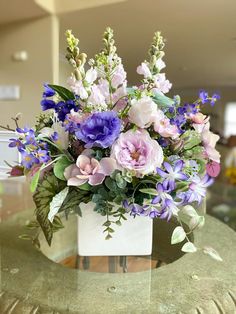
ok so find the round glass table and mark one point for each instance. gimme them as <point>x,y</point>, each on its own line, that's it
<point>56,280</point>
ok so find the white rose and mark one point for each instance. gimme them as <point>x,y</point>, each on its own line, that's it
<point>142,112</point>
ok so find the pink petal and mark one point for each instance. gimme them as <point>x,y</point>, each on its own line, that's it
<point>82,176</point>
<point>82,161</point>
<point>108,165</point>
<point>213,169</point>
<point>70,171</point>
<point>95,165</point>
<point>96,179</point>
<point>75,181</point>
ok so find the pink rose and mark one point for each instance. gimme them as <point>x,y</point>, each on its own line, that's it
<point>142,112</point>
<point>137,152</point>
<point>88,169</point>
<point>163,126</point>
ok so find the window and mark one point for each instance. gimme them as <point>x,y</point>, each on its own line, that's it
<point>230,119</point>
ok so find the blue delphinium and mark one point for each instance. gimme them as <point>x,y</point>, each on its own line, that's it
<point>64,107</point>
<point>205,98</point>
<point>101,129</point>
<point>48,91</point>
<point>47,104</point>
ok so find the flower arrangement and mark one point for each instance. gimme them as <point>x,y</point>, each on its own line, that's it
<point>102,141</point>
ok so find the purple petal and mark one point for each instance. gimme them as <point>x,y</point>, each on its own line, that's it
<point>96,179</point>
<point>178,165</point>
<point>108,165</point>
<point>161,173</point>
<point>167,166</point>
<point>156,200</point>
<point>75,181</point>
<point>181,176</point>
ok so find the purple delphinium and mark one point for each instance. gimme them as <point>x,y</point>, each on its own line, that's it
<point>214,98</point>
<point>188,109</point>
<point>205,98</point>
<point>172,173</point>
<point>48,91</point>
<point>101,129</point>
<point>64,107</point>
<point>47,104</point>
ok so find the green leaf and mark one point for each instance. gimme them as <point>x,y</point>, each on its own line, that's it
<point>212,253</point>
<point>189,247</point>
<point>149,191</point>
<point>110,184</point>
<point>191,138</point>
<point>46,190</point>
<point>73,200</point>
<point>197,222</point>
<point>56,203</point>
<point>163,100</point>
<point>57,224</point>
<point>178,235</point>
<point>60,166</point>
<point>34,181</point>
<point>189,211</point>
<point>25,237</point>
<point>63,92</point>
<point>85,187</point>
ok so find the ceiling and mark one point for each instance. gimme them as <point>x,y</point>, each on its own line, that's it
<point>200,35</point>
<point>17,10</point>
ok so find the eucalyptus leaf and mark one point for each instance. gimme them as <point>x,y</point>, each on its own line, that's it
<point>60,166</point>
<point>189,247</point>
<point>178,235</point>
<point>63,92</point>
<point>212,253</point>
<point>163,100</point>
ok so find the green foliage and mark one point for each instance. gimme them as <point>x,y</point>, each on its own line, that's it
<point>73,199</point>
<point>191,139</point>
<point>60,166</point>
<point>46,190</point>
<point>163,101</point>
<point>34,181</point>
<point>149,191</point>
<point>63,92</point>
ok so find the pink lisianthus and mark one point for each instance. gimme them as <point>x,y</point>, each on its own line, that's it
<point>163,126</point>
<point>209,140</point>
<point>199,118</point>
<point>142,112</point>
<point>88,169</point>
<point>137,152</point>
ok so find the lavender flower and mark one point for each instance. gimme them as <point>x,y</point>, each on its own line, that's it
<point>172,173</point>
<point>197,188</point>
<point>101,129</point>
<point>214,98</point>
<point>203,96</point>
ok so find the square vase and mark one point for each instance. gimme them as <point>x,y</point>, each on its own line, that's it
<point>133,237</point>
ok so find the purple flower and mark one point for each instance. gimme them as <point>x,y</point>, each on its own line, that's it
<point>64,107</point>
<point>197,188</point>
<point>165,200</point>
<point>47,104</point>
<point>214,98</point>
<point>48,91</point>
<point>172,173</point>
<point>28,159</point>
<point>16,143</point>
<point>25,130</point>
<point>43,156</point>
<point>203,96</point>
<point>30,138</point>
<point>101,129</point>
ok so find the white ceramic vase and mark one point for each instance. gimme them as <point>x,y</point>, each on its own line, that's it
<point>133,237</point>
